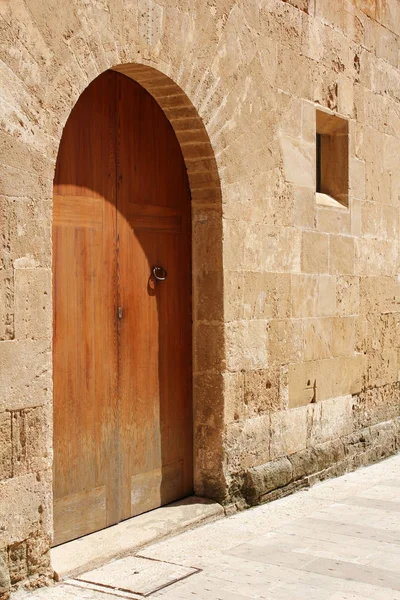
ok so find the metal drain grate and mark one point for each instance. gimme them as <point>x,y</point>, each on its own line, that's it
<point>132,576</point>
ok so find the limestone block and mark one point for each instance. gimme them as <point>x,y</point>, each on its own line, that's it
<point>5,446</point>
<point>376,404</point>
<point>377,332</point>
<point>304,5</point>
<point>264,478</point>
<point>379,294</point>
<point>326,304</point>
<point>295,81</point>
<point>314,252</point>
<point>281,21</point>
<point>322,379</point>
<point>316,458</point>
<point>308,122</point>
<point>355,217</point>
<point>38,553</point>
<point>288,432</point>
<point>248,442</point>
<point>31,440</point>
<point>304,207</point>
<point>318,338</point>
<point>264,198</point>
<point>313,295</point>
<point>357,178</point>
<point>369,7</point>
<point>390,15</point>
<point>343,336</point>
<point>23,502</point>
<point>252,295</point>
<point>298,161</point>
<point>17,563</point>
<point>258,247</point>
<point>304,296</point>
<point>347,295</point>
<point>208,296</point>
<point>246,345</point>
<point>285,343</point>
<point>262,391</point>
<point>380,221</point>
<point>341,255</point>
<point>235,408</point>
<point>330,419</point>
<point>27,237</point>
<point>25,374</point>
<point>289,122</point>
<point>345,95</point>
<point>207,241</point>
<point>379,183</point>
<point>381,368</point>
<point>209,347</point>
<point>5,583</point>
<point>333,220</point>
<point>33,304</point>
<point>375,257</point>
<point>6,305</point>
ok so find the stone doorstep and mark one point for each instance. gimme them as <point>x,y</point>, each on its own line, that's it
<point>130,536</point>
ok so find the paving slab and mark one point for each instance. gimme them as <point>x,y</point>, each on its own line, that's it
<point>137,575</point>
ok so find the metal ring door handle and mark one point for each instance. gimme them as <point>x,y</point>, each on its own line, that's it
<point>160,274</point>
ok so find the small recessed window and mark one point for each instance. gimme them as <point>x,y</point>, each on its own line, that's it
<point>332,159</point>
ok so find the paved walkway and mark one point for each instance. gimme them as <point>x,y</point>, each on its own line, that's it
<point>340,540</point>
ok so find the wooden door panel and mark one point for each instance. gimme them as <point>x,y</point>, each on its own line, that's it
<point>78,212</point>
<point>84,300</point>
<point>154,223</point>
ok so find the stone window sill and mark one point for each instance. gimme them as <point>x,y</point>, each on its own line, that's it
<point>327,201</point>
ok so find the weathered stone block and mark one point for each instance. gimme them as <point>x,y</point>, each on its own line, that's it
<point>17,563</point>
<point>329,420</point>
<point>25,377</point>
<point>314,252</point>
<point>285,341</point>
<point>318,338</point>
<point>323,379</point>
<point>347,295</point>
<point>208,296</point>
<point>253,295</point>
<point>264,478</point>
<point>33,304</point>
<point>376,404</point>
<point>248,443</point>
<point>334,220</point>
<point>343,338</point>
<point>288,432</point>
<point>31,440</point>
<point>5,446</point>
<point>341,255</point>
<point>246,345</point>
<point>31,512</point>
<point>5,582</point>
<point>6,305</point>
<point>317,458</point>
<point>304,206</point>
<point>298,161</point>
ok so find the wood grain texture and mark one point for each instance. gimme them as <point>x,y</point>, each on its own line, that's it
<point>155,333</point>
<point>122,388</point>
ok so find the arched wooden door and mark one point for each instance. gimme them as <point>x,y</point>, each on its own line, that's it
<point>122,337</point>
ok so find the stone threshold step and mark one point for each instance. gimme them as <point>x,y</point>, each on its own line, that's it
<point>128,537</point>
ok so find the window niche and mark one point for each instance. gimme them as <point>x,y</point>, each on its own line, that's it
<point>332,160</point>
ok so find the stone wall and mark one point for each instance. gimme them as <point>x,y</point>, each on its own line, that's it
<point>296,302</point>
